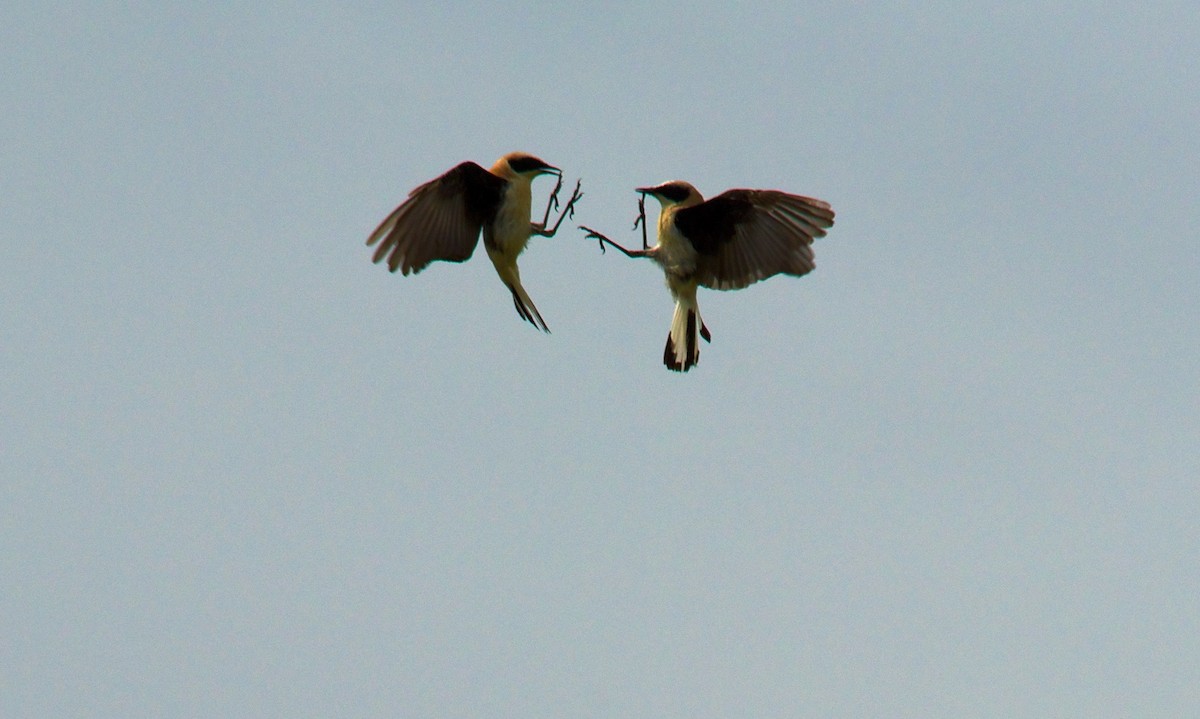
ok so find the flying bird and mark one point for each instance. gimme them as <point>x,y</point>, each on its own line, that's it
<point>726,243</point>
<point>442,219</point>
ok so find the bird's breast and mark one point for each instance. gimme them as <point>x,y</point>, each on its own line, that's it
<point>675,252</point>
<point>509,232</point>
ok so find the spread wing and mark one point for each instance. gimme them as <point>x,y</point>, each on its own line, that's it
<point>440,220</point>
<point>743,236</point>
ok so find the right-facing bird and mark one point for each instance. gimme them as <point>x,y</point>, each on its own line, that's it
<point>726,243</point>
<point>442,220</point>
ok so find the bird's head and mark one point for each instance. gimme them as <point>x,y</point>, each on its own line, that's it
<point>520,164</point>
<point>675,192</point>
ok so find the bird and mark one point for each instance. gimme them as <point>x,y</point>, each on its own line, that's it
<point>727,242</point>
<point>442,219</point>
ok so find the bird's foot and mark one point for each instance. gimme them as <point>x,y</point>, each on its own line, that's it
<point>602,239</point>
<point>568,211</point>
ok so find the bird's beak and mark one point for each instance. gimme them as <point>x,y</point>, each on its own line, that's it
<point>551,170</point>
<point>645,190</point>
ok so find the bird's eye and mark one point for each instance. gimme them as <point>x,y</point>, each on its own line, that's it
<point>674,193</point>
<point>526,164</point>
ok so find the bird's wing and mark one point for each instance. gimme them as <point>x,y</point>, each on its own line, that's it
<point>440,220</point>
<point>743,236</point>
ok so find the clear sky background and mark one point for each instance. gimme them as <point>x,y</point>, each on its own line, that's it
<point>951,473</point>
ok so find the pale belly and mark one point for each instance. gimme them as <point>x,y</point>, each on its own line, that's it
<point>510,231</point>
<point>675,254</point>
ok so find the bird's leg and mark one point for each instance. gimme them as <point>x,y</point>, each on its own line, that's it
<point>593,235</point>
<point>641,220</point>
<point>552,202</point>
<point>568,211</point>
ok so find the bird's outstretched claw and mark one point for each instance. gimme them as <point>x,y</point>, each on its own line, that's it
<point>594,235</point>
<point>568,211</point>
<point>553,201</point>
<point>576,196</point>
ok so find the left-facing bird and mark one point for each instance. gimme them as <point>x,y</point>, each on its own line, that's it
<point>442,219</point>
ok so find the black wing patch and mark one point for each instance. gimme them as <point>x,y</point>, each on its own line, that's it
<point>481,190</point>
<point>714,222</point>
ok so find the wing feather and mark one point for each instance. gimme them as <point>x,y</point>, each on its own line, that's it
<point>743,236</point>
<point>440,220</point>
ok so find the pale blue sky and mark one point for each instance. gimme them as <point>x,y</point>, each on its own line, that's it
<point>951,473</point>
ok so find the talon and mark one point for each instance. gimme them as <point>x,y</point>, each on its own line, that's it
<point>593,235</point>
<point>552,203</point>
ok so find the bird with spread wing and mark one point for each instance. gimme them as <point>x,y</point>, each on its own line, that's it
<point>725,243</point>
<point>442,220</point>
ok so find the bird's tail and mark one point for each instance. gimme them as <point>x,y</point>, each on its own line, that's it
<point>525,306</point>
<point>683,350</point>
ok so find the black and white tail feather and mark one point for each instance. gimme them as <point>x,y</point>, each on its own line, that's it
<point>683,350</point>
